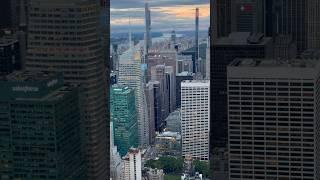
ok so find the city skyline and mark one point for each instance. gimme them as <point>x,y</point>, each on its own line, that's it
<point>166,15</point>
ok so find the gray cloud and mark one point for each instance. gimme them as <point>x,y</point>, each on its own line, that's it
<point>161,21</point>
<point>123,4</point>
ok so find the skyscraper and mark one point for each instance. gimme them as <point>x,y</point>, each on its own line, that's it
<point>64,36</point>
<point>40,128</point>
<point>220,18</point>
<point>148,37</point>
<point>197,40</point>
<point>273,119</point>
<point>171,87</point>
<point>158,74</point>
<point>290,17</point>
<point>150,105</point>
<point>195,117</point>
<point>124,118</point>
<point>225,50</point>
<point>131,75</point>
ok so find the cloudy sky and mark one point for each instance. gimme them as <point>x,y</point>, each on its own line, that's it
<point>166,15</point>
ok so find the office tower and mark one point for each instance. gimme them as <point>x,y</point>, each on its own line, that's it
<point>155,174</point>
<point>221,18</point>
<point>158,74</point>
<point>131,75</point>
<point>197,40</point>
<point>148,37</point>
<point>184,63</point>
<point>124,118</point>
<point>179,78</point>
<point>291,18</point>
<point>247,16</point>
<point>10,53</point>
<point>157,102</point>
<point>173,39</point>
<point>63,36</point>
<point>150,105</point>
<point>171,87</point>
<point>225,50</point>
<point>207,64</point>
<point>273,119</point>
<point>115,158</point>
<point>40,127</point>
<point>195,117</point>
<point>132,165</point>
<point>163,57</point>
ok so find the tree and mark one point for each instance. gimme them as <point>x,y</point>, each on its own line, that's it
<point>202,167</point>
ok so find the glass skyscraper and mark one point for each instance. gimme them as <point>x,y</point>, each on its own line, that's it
<point>124,118</point>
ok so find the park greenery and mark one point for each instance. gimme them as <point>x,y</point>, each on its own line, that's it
<point>174,165</point>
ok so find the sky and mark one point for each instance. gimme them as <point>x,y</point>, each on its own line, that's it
<point>166,15</point>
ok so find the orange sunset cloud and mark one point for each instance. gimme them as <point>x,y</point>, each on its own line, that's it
<point>185,12</point>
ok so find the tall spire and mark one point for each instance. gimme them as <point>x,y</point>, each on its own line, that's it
<point>131,44</point>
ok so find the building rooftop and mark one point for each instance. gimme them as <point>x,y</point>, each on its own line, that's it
<point>121,89</point>
<point>170,134</point>
<point>311,54</point>
<point>274,69</point>
<point>185,73</point>
<point>243,38</point>
<point>195,82</point>
<point>269,63</point>
<point>28,76</point>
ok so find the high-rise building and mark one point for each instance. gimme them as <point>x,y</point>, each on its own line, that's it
<point>171,87</point>
<point>195,117</point>
<point>157,102</point>
<point>124,118</point>
<point>197,67</point>
<point>167,58</point>
<point>247,16</point>
<point>179,78</point>
<point>291,18</point>
<point>207,65</point>
<point>132,165</point>
<point>64,36</point>
<point>225,50</point>
<point>158,74</point>
<point>273,119</point>
<point>150,105</point>
<point>131,75</point>
<point>10,53</point>
<point>40,128</point>
<point>148,37</point>
<point>184,63</point>
<point>220,18</point>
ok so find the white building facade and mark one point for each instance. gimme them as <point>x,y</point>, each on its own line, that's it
<point>131,169</point>
<point>195,117</point>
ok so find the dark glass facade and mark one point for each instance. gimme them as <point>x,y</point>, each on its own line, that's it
<point>40,128</point>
